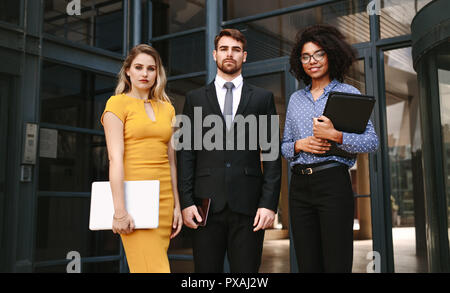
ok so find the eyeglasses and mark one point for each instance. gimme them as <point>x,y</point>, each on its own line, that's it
<point>318,56</point>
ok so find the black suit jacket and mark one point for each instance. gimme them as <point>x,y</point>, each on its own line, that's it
<point>236,177</point>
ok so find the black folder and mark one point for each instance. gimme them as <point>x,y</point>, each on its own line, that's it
<point>349,113</point>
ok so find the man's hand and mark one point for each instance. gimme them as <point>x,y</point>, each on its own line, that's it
<point>264,219</point>
<point>189,214</point>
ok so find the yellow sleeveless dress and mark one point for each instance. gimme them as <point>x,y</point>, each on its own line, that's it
<point>145,158</point>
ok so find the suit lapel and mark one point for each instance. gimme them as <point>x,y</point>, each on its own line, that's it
<point>245,98</point>
<point>211,96</point>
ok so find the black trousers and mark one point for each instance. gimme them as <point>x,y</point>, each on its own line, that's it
<point>230,233</point>
<point>321,209</point>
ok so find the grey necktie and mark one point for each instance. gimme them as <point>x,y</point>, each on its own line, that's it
<point>228,107</point>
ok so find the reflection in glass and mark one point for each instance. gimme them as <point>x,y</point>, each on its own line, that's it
<point>63,226</point>
<point>171,16</point>
<point>182,244</point>
<point>79,160</point>
<point>237,9</point>
<point>182,55</point>
<point>275,36</point>
<point>73,97</point>
<point>396,16</point>
<point>405,157</point>
<point>443,63</point>
<point>362,227</point>
<point>278,236</point>
<point>10,11</point>
<point>178,89</point>
<point>100,23</point>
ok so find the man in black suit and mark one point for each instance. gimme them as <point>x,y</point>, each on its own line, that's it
<point>244,199</point>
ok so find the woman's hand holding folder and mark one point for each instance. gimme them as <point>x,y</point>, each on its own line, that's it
<point>323,128</point>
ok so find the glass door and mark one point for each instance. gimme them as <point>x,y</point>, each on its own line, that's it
<point>404,141</point>
<point>443,73</point>
<point>4,87</point>
<point>274,76</point>
<point>359,173</point>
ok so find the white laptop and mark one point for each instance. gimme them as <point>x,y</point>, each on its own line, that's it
<point>141,202</point>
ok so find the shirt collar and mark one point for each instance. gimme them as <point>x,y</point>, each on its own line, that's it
<point>237,81</point>
<point>328,88</point>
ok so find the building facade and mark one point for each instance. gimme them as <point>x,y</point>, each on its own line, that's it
<point>59,63</point>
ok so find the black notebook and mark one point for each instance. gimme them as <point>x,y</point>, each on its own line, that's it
<point>349,113</point>
<point>203,210</point>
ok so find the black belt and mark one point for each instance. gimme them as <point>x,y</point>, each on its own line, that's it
<point>303,170</point>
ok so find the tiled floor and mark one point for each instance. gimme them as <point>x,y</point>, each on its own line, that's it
<point>276,255</point>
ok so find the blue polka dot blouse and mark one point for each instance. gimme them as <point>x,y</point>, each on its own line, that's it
<point>299,124</point>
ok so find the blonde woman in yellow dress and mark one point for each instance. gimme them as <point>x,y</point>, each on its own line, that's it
<point>138,130</point>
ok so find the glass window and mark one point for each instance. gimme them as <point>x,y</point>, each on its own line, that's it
<point>278,234</point>
<point>405,159</point>
<point>443,63</point>
<point>74,97</point>
<point>275,36</point>
<point>95,267</point>
<point>396,16</point>
<point>184,54</point>
<point>237,9</point>
<point>63,226</point>
<point>182,244</point>
<point>177,90</point>
<point>10,11</point>
<point>359,173</point>
<point>171,16</point>
<point>101,267</point>
<point>100,23</point>
<point>72,161</point>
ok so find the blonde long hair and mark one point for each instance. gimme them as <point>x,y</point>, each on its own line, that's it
<point>158,89</point>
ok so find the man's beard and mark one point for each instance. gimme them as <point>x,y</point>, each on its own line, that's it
<point>227,70</point>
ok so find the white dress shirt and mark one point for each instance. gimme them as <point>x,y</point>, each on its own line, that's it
<point>221,91</point>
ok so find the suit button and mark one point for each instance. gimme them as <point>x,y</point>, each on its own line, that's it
<point>228,165</point>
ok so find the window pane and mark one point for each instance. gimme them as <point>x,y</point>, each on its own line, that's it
<point>183,54</point>
<point>443,62</point>
<point>96,267</point>
<point>10,11</point>
<point>237,9</point>
<point>171,16</point>
<point>51,269</point>
<point>182,244</point>
<point>405,159</point>
<point>275,36</point>
<point>177,90</point>
<point>74,97</point>
<point>79,160</point>
<point>362,224</point>
<point>100,23</point>
<point>275,82</point>
<point>396,16</point>
<point>63,226</point>
<point>101,267</point>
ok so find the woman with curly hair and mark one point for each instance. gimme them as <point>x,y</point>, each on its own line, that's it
<point>321,197</point>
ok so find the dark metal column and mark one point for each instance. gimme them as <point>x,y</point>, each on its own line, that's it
<point>213,20</point>
<point>136,18</point>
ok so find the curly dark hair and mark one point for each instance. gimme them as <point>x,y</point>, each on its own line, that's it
<point>340,54</point>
